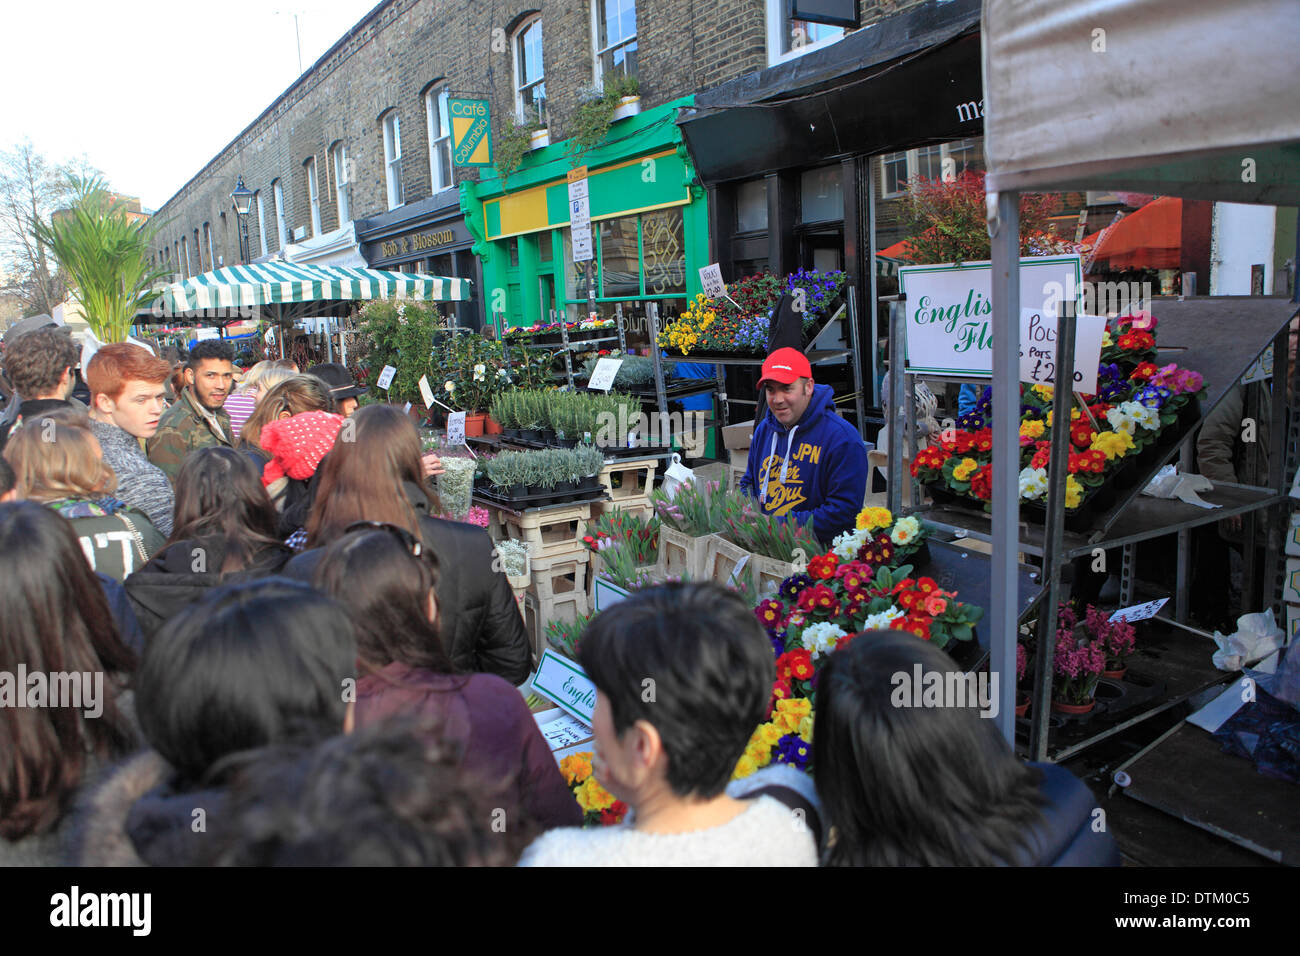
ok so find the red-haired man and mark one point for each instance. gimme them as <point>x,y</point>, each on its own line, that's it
<point>128,393</point>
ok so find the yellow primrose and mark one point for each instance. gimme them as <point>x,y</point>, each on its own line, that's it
<point>1031,429</point>
<point>1112,444</point>
<point>1073,492</point>
<point>965,468</point>
<point>744,767</point>
<point>799,706</point>
<point>869,519</point>
<point>806,728</point>
<point>772,734</point>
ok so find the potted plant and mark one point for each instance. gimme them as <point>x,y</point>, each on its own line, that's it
<point>588,461</point>
<point>505,473</point>
<point>513,143</point>
<point>627,90</point>
<point>456,486</point>
<point>1078,666</point>
<point>531,414</point>
<point>1116,638</point>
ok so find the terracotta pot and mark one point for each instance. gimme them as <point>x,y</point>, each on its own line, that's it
<point>1062,708</point>
<point>474,425</point>
<point>491,426</point>
<point>1116,674</point>
<point>1022,707</point>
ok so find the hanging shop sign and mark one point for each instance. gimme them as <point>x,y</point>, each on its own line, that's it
<point>950,309</point>
<point>471,133</point>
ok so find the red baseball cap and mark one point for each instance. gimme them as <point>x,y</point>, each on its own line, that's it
<point>785,366</point>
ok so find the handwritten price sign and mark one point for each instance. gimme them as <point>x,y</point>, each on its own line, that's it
<point>1038,349</point>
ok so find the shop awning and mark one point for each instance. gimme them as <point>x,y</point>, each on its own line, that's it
<point>1191,98</point>
<point>283,283</point>
<point>904,81</point>
<point>1149,238</point>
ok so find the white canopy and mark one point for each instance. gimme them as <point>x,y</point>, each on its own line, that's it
<point>1193,98</point>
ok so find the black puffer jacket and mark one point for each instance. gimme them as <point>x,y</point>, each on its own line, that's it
<point>173,580</point>
<point>481,628</point>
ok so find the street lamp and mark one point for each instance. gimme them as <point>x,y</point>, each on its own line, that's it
<point>243,200</point>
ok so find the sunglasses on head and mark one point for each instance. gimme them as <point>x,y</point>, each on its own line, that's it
<point>409,541</point>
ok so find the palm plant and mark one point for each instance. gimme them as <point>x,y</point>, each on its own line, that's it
<point>106,254</point>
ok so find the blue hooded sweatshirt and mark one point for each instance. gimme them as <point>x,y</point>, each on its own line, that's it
<point>817,469</point>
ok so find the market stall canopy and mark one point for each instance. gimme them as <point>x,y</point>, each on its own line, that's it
<point>903,81</point>
<point>1149,238</point>
<point>286,283</point>
<point>1192,98</point>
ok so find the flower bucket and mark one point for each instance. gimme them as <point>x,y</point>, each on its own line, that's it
<point>627,106</point>
<point>474,424</point>
<point>539,138</point>
<point>1022,706</point>
<point>1063,708</point>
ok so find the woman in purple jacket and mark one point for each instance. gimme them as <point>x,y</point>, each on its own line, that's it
<point>385,577</point>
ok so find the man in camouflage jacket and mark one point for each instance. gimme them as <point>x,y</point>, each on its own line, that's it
<point>197,419</point>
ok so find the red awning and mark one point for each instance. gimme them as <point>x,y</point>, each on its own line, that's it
<point>1150,238</point>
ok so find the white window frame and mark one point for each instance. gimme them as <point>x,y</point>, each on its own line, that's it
<point>436,102</point>
<point>261,220</point>
<point>342,192</point>
<point>281,227</point>
<point>313,194</point>
<point>913,165</point>
<point>597,68</point>
<point>515,40</point>
<point>392,124</point>
<point>776,20</point>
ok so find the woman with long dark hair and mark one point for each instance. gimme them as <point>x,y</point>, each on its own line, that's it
<point>909,785</point>
<point>378,476</point>
<point>225,531</point>
<point>56,621</point>
<point>386,579</point>
<point>251,665</point>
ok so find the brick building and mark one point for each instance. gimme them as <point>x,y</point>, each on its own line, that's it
<point>354,156</point>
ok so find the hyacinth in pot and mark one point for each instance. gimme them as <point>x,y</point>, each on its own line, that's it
<point>1078,666</point>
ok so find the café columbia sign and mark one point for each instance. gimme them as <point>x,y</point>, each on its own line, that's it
<point>950,309</point>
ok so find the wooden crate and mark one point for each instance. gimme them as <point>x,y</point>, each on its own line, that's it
<point>558,593</point>
<point>680,555</point>
<point>549,533</point>
<point>629,480</point>
<point>553,578</point>
<point>640,507</point>
<point>723,557</point>
<point>769,573</point>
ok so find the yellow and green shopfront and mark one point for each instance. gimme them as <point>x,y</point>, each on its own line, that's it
<point>649,227</point>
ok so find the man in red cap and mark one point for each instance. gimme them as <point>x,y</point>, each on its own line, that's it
<point>805,462</point>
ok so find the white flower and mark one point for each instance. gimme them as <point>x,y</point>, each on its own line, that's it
<point>905,531</point>
<point>1121,421</point>
<point>820,638</point>
<point>1148,418</point>
<point>1033,483</point>
<point>449,386</point>
<point>480,372</point>
<point>846,544</point>
<point>882,621</point>
<point>501,373</point>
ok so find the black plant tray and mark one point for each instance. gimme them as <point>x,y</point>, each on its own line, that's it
<point>541,500</point>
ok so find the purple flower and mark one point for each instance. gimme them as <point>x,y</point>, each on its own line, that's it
<point>794,750</point>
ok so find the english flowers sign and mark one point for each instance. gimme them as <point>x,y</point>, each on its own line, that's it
<point>950,310</point>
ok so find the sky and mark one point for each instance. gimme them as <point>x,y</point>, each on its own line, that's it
<point>149,91</point>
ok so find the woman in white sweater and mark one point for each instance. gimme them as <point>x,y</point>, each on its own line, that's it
<point>683,673</point>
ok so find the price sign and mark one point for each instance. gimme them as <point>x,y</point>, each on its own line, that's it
<point>603,375</point>
<point>1139,612</point>
<point>564,731</point>
<point>456,428</point>
<point>711,279</point>
<point>1038,349</point>
<point>407,409</point>
<point>386,377</point>
<point>426,392</point>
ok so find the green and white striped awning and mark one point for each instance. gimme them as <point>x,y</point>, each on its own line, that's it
<point>275,283</point>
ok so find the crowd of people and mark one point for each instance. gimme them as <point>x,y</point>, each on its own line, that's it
<point>297,661</point>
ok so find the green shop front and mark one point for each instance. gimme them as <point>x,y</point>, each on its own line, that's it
<point>649,228</point>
